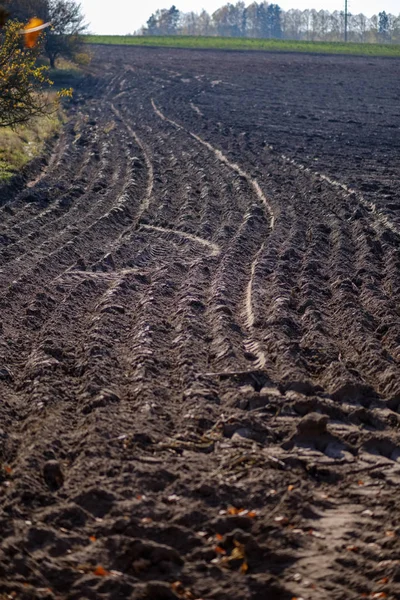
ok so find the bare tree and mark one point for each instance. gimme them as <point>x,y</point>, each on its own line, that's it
<point>67,23</point>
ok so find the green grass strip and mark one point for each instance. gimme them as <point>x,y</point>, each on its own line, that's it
<point>224,43</point>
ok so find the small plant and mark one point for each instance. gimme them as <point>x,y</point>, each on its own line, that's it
<point>83,59</point>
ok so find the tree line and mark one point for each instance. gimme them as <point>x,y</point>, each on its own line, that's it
<point>264,20</point>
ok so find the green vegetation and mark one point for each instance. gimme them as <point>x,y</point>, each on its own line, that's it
<point>30,113</point>
<point>21,79</point>
<point>67,73</point>
<point>20,145</point>
<point>65,16</point>
<point>23,143</point>
<point>224,43</point>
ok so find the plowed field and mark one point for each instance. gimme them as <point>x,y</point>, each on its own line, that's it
<point>200,335</point>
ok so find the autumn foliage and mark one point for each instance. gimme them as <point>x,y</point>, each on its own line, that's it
<point>21,79</point>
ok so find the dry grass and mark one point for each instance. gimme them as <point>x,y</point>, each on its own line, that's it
<point>18,146</point>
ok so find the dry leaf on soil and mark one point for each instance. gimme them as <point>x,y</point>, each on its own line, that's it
<point>101,571</point>
<point>234,511</point>
<point>181,591</point>
<point>244,568</point>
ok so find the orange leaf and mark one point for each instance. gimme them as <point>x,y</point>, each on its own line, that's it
<point>360,482</point>
<point>100,571</point>
<point>219,537</point>
<point>252,514</point>
<point>219,550</point>
<point>234,511</point>
<point>290,488</point>
<point>8,469</point>
<point>379,595</point>
<point>384,580</point>
<point>244,567</point>
<point>352,548</point>
<point>177,586</point>
<point>92,538</point>
<point>390,533</point>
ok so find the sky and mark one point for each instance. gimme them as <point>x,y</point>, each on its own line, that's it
<point>126,16</point>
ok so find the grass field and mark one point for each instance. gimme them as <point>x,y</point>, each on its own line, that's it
<point>224,43</point>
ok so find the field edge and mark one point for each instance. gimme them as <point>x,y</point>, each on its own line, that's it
<point>266,45</point>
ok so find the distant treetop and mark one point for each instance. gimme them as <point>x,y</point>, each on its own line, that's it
<point>264,20</point>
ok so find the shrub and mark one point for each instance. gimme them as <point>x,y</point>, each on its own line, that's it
<point>21,79</point>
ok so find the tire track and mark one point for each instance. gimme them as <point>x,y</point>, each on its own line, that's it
<point>250,344</point>
<point>147,198</point>
<point>214,248</point>
<point>222,158</point>
<point>371,207</point>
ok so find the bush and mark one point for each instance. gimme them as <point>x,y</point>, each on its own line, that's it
<point>83,59</point>
<point>21,79</point>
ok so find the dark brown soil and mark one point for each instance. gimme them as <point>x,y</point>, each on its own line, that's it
<point>200,335</point>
